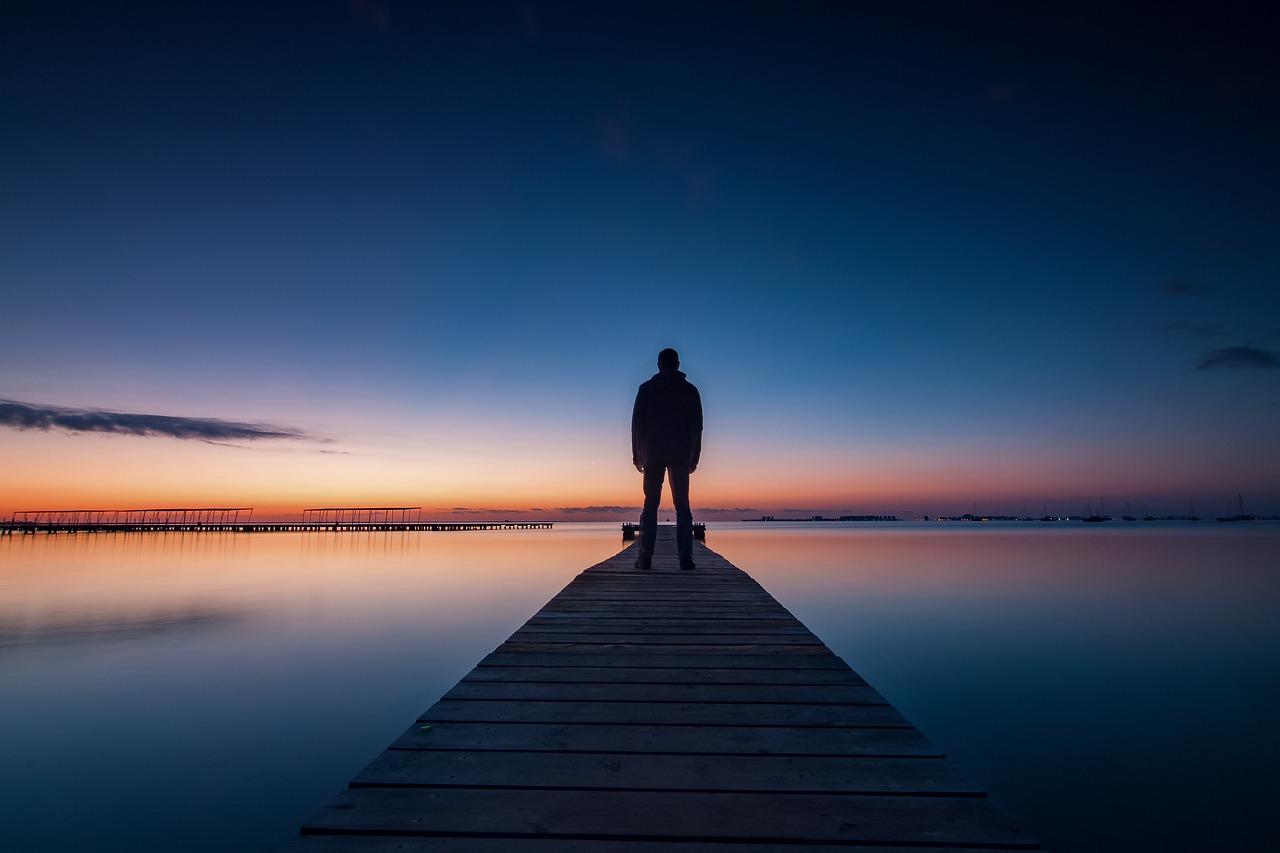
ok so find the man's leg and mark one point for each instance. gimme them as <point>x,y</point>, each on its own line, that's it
<point>649,515</point>
<point>684,515</point>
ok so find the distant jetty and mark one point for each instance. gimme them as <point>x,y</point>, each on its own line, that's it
<point>240,520</point>
<point>825,518</point>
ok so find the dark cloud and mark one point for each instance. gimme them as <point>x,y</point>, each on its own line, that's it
<point>25,416</point>
<point>736,509</point>
<point>594,509</point>
<point>1199,330</point>
<point>1182,287</point>
<point>472,510</point>
<point>1234,357</point>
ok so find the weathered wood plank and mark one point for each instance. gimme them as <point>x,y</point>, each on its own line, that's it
<point>794,694</point>
<point>683,816</point>
<point>757,638</point>
<point>691,606</point>
<point>637,649</point>
<point>699,740</point>
<point>666,771</point>
<point>674,599</point>
<point>664,713</point>
<point>441,844</point>
<point>658,675</point>
<point>753,659</point>
<point>694,625</point>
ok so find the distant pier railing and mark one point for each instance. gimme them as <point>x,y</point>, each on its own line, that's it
<point>240,520</point>
<point>630,531</point>
<point>363,515</point>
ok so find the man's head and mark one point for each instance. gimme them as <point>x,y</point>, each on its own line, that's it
<point>668,359</point>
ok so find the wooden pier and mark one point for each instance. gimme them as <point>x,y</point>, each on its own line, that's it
<point>661,710</point>
<point>240,520</point>
<point>10,527</point>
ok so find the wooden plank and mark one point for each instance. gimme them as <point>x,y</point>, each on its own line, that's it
<point>666,771</point>
<point>792,659</point>
<point>760,638</point>
<point>689,606</point>
<point>675,598</point>
<point>663,713</point>
<point>676,624</point>
<point>442,844</point>
<point>527,644</point>
<point>658,675</point>
<point>628,615</point>
<point>793,694</point>
<point>684,627</point>
<point>629,575</point>
<point>695,740</point>
<point>688,610</point>
<point>683,816</point>
<point>694,624</point>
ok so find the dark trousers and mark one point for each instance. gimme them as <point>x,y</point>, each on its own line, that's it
<point>653,476</point>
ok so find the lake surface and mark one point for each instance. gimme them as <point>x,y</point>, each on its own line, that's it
<point>1115,687</point>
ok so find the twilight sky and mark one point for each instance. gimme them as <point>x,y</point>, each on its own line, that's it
<point>918,257</point>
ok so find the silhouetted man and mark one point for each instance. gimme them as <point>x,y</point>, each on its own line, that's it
<point>666,438</point>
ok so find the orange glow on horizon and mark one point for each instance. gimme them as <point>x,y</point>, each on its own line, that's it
<point>57,471</point>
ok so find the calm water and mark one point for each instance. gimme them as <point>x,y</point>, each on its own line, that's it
<point>1116,686</point>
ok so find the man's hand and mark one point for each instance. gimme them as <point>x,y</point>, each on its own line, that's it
<point>639,467</point>
<point>693,466</point>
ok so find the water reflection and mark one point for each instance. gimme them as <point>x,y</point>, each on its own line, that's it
<point>90,627</point>
<point>210,691</point>
<point>1115,688</point>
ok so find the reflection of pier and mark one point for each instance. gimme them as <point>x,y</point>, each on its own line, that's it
<point>240,520</point>
<point>661,710</point>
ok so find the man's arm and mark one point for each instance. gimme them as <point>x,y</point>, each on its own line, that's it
<point>638,412</point>
<point>695,431</point>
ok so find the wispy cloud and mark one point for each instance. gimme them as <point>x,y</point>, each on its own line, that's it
<point>30,416</point>
<point>596,509</point>
<point>474,510</point>
<point>734,510</point>
<point>1238,357</point>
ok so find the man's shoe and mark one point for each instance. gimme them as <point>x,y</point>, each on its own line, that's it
<point>686,564</point>
<point>643,562</point>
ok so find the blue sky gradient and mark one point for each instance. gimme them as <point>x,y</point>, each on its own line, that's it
<point>917,256</point>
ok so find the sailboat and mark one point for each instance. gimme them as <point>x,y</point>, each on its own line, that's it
<point>1240,513</point>
<point>1102,516</point>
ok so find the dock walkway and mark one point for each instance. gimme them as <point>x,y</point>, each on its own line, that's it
<point>667,710</point>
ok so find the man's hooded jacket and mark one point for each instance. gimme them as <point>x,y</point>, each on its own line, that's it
<point>666,423</point>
